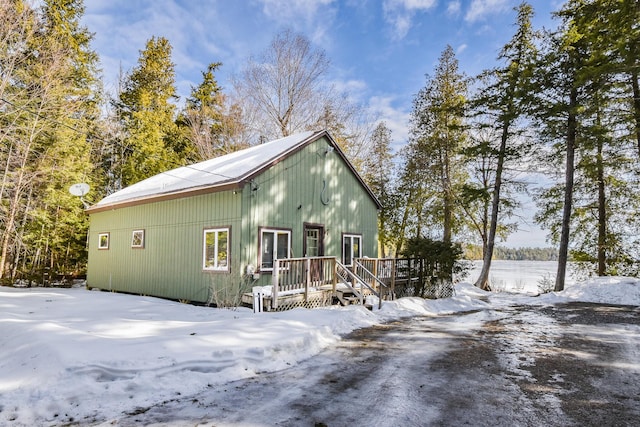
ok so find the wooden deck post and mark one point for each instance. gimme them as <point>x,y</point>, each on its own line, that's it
<point>274,283</point>
<point>334,274</point>
<point>307,280</point>
<point>394,270</point>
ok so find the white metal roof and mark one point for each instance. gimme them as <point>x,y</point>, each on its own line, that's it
<point>229,169</point>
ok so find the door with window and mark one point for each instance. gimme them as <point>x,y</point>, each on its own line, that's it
<point>313,246</point>
<point>274,244</point>
<point>351,248</point>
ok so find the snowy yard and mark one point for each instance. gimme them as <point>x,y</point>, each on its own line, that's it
<point>72,355</point>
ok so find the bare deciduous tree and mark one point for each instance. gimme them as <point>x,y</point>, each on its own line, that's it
<point>286,90</point>
<point>283,88</point>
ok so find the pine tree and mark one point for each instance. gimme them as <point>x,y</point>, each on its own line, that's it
<point>54,92</point>
<point>602,184</point>
<point>565,77</point>
<point>437,136</point>
<point>202,119</point>
<point>60,226</point>
<point>378,174</point>
<point>153,141</point>
<point>507,99</point>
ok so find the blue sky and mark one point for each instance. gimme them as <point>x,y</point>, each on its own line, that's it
<point>380,50</point>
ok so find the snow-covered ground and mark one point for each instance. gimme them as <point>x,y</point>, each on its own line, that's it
<point>74,355</point>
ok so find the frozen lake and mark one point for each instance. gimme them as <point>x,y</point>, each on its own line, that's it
<point>517,276</point>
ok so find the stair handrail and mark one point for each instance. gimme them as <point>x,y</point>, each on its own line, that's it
<point>356,278</point>
<point>340,268</point>
<point>375,278</point>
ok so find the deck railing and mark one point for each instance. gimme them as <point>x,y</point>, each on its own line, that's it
<point>386,278</point>
<point>408,277</point>
<point>364,271</point>
<point>300,275</point>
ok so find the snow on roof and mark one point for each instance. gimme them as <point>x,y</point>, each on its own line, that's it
<point>229,169</point>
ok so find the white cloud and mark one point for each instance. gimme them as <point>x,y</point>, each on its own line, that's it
<point>311,17</point>
<point>293,9</point>
<point>352,87</point>
<point>396,119</point>
<point>400,14</point>
<point>461,48</point>
<point>454,8</point>
<point>480,9</point>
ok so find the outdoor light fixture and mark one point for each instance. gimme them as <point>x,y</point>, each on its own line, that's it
<point>329,150</point>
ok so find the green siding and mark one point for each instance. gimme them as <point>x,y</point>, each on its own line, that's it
<point>287,196</point>
<point>170,265</point>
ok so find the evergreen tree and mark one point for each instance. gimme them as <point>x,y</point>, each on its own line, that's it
<point>55,92</point>
<point>603,186</point>
<point>507,99</point>
<point>378,173</point>
<point>564,73</point>
<point>203,118</point>
<point>152,141</point>
<point>438,135</point>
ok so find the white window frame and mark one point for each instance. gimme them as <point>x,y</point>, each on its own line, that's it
<point>275,232</point>
<point>216,261</point>
<point>353,256</point>
<point>139,245</point>
<point>101,246</point>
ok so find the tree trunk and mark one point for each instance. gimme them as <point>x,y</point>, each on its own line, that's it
<point>9,224</point>
<point>483,280</point>
<point>636,105</point>
<point>602,215</point>
<point>14,204</point>
<point>563,250</point>
<point>403,226</point>
<point>447,202</point>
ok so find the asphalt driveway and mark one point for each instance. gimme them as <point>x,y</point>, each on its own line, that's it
<point>574,364</point>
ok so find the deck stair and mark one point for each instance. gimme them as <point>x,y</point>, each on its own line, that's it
<point>347,296</point>
<point>356,285</point>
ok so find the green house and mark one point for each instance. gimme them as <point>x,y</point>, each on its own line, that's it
<point>194,230</point>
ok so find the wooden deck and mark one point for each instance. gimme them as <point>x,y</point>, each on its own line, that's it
<point>322,281</point>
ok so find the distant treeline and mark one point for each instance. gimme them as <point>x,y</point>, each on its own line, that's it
<point>474,252</point>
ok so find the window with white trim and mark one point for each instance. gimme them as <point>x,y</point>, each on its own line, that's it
<point>103,241</point>
<point>351,248</point>
<point>216,249</point>
<point>274,244</point>
<point>137,239</point>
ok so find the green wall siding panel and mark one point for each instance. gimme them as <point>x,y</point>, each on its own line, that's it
<point>313,187</point>
<point>170,265</point>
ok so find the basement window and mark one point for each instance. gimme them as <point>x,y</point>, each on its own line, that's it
<point>216,249</point>
<point>103,241</point>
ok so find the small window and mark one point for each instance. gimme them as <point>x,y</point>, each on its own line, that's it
<point>274,244</point>
<point>137,239</point>
<point>351,248</point>
<point>216,249</point>
<point>103,241</point>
